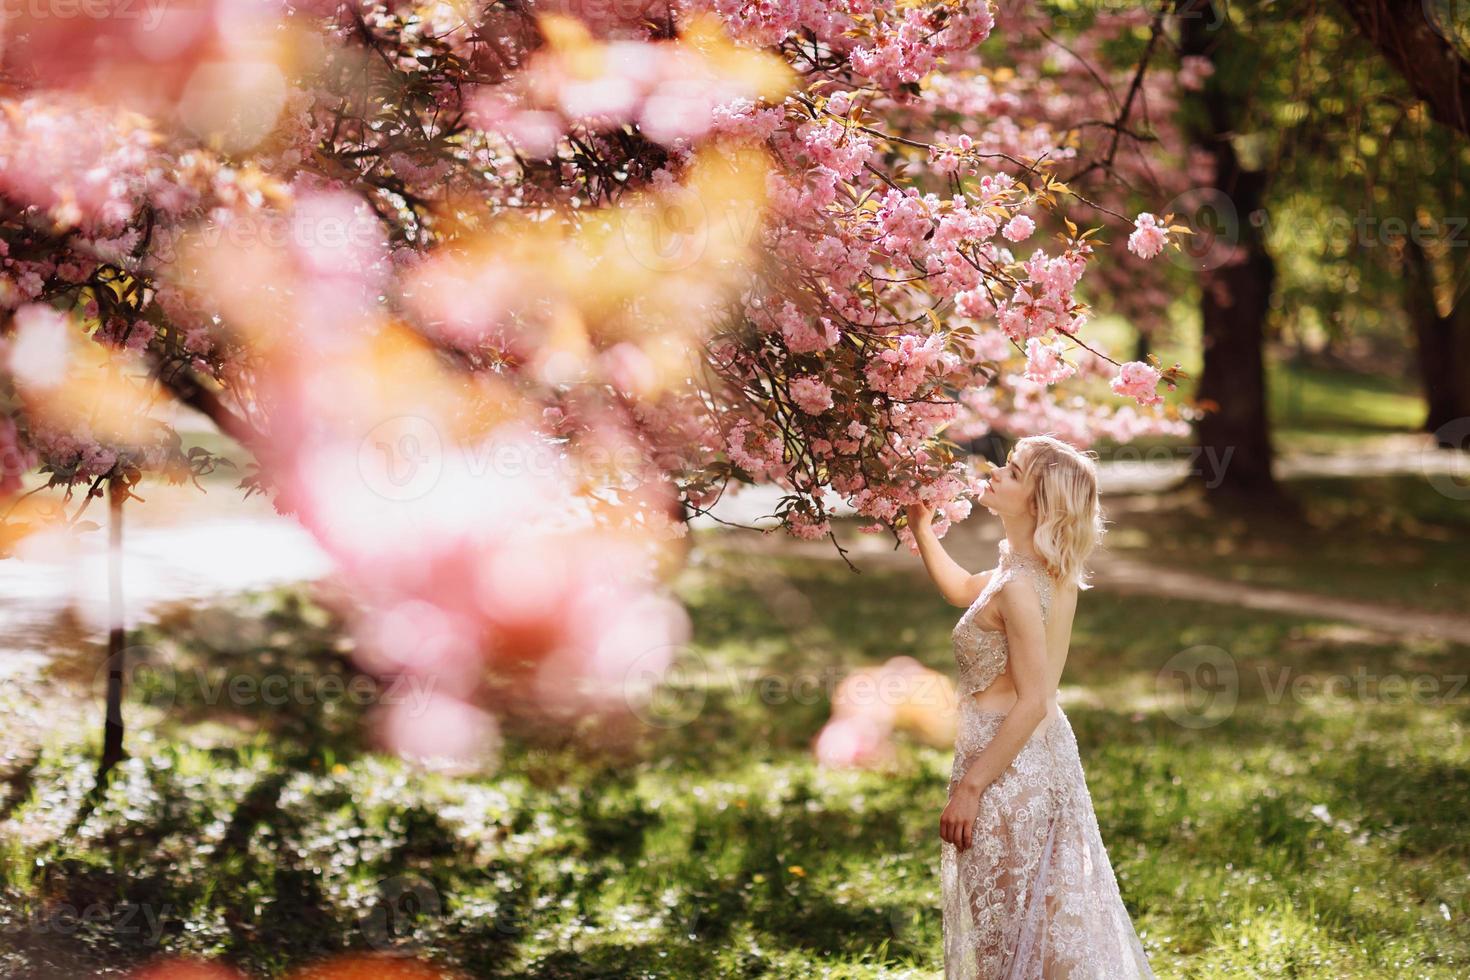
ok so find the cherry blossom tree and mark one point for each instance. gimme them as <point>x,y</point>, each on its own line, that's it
<point>496,294</point>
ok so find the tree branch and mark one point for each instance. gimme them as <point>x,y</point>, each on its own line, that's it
<point>1420,50</point>
<point>187,388</point>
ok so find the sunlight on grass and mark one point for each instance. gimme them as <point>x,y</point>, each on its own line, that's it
<point>1297,834</point>
<point>1392,541</point>
<point>1317,410</point>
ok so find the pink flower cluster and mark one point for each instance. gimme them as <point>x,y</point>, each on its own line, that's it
<point>811,395</point>
<point>1019,228</point>
<point>904,220</point>
<point>1044,302</point>
<point>671,91</point>
<point>446,586</point>
<point>761,454</point>
<point>81,163</point>
<point>803,336</point>
<point>1138,380</point>
<point>803,525</point>
<point>872,705</point>
<point>16,458</point>
<point>1046,363</point>
<point>904,56</point>
<point>898,371</point>
<point>1149,237</point>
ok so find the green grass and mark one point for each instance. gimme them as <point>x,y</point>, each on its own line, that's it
<point>1392,541</point>
<point>1295,834</point>
<point>1318,410</point>
<point>1313,409</point>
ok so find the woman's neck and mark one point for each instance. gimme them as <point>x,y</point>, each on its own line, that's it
<point>1020,532</point>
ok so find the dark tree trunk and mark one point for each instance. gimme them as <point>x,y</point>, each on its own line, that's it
<point>1236,280</point>
<point>1418,38</point>
<point>112,727</point>
<point>1422,40</point>
<point>1444,348</point>
<point>1235,435</point>
<point>1142,346</point>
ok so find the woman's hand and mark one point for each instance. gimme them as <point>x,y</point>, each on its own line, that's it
<point>957,823</point>
<point>920,515</point>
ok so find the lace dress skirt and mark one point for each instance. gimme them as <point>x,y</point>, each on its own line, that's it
<point>1034,896</point>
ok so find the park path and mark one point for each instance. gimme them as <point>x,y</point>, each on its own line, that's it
<point>180,545</point>
<point>1126,576</point>
<point>1140,578</point>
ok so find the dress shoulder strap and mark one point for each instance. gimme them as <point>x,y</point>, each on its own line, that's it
<point>1013,564</point>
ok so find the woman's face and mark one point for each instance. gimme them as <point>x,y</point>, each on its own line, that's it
<point>1006,492</point>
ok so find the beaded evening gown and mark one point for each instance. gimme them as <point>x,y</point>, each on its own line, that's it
<point>1034,896</point>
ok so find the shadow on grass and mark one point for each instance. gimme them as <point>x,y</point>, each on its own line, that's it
<point>1385,540</point>
<point>716,847</point>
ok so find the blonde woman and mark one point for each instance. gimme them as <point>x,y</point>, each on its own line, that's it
<point>1028,889</point>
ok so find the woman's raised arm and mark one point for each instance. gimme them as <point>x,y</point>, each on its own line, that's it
<point>957,586</point>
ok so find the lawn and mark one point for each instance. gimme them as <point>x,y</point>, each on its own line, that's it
<point>1391,541</point>
<point>1312,408</point>
<point>1318,410</point>
<point>1288,828</point>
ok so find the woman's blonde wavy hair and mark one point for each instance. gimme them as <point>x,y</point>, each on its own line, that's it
<point>1069,520</point>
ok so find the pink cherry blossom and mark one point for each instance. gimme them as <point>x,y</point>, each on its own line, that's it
<point>1148,238</point>
<point>1019,228</point>
<point>15,457</point>
<point>804,337</point>
<point>808,528</point>
<point>37,353</point>
<point>811,395</point>
<point>1193,70</point>
<point>1045,363</point>
<point>1138,380</point>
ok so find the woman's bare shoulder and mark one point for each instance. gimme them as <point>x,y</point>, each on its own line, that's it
<point>974,587</point>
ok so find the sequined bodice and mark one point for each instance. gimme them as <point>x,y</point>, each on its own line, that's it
<point>979,653</point>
